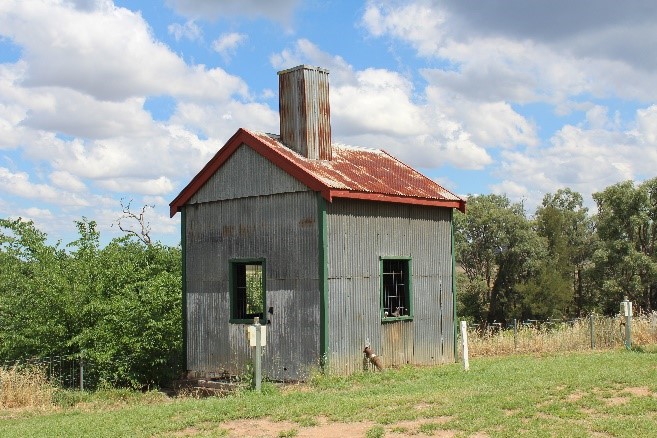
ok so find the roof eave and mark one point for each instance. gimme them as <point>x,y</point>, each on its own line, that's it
<point>459,204</point>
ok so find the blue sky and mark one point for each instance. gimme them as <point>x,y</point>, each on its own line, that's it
<point>102,101</point>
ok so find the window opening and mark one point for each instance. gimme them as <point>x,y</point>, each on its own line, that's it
<point>248,290</point>
<point>395,279</point>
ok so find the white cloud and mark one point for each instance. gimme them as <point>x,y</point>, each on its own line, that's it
<point>109,54</point>
<point>154,200</point>
<point>384,96</point>
<point>488,124</point>
<point>19,184</point>
<point>37,214</point>
<point>170,151</point>
<point>79,115</point>
<point>154,186</point>
<point>597,117</point>
<point>512,189</point>
<point>190,30</point>
<point>281,10</point>
<point>267,93</point>
<point>646,125</point>
<point>86,72</point>
<point>588,29</point>
<point>73,104</point>
<point>226,45</point>
<point>494,57</point>
<point>417,22</point>
<point>497,124</point>
<point>305,52</point>
<point>586,159</point>
<point>66,181</point>
<point>381,108</point>
<point>210,119</point>
<point>486,59</point>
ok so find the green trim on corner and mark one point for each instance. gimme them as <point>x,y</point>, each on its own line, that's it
<point>183,257</point>
<point>323,282</point>
<point>456,322</point>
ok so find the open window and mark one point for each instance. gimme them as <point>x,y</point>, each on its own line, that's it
<point>247,290</point>
<point>396,292</point>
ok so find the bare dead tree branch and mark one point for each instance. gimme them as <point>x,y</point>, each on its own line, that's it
<point>143,226</point>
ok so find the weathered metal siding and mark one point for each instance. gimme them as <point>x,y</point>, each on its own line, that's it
<point>246,173</point>
<point>358,234</point>
<point>283,230</point>
<point>305,111</point>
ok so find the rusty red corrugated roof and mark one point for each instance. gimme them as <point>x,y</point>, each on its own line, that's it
<point>358,173</point>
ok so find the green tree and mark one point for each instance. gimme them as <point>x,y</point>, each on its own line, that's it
<point>498,250</point>
<point>36,314</point>
<point>565,224</point>
<point>625,262</point>
<point>136,336</point>
<point>119,305</point>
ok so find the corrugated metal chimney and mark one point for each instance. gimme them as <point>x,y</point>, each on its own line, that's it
<point>303,104</point>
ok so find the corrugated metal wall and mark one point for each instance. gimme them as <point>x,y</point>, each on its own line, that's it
<point>231,182</point>
<point>358,234</point>
<point>281,228</point>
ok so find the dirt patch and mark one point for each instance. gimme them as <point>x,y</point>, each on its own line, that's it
<point>640,391</point>
<point>544,416</point>
<point>189,431</point>
<point>616,401</point>
<point>264,428</point>
<point>414,424</point>
<point>296,387</point>
<point>257,428</point>
<point>601,435</point>
<point>575,396</point>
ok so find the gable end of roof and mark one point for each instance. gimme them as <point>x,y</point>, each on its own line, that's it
<point>355,173</point>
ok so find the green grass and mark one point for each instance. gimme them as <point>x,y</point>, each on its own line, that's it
<point>578,394</point>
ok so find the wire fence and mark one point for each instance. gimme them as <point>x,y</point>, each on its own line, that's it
<point>66,371</point>
<point>518,337</point>
<point>532,336</point>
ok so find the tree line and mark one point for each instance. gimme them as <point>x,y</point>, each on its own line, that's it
<point>119,307</point>
<point>561,262</point>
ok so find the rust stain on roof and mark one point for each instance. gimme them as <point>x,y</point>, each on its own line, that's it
<point>356,173</point>
<point>364,170</point>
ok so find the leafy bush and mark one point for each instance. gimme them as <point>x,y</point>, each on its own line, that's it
<point>120,306</point>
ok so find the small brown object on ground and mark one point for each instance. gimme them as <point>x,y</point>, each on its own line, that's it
<point>373,358</point>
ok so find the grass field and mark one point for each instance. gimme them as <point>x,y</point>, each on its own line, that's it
<point>602,394</point>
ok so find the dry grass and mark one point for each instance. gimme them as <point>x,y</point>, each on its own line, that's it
<point>25,387</point>
<point>561,337</point>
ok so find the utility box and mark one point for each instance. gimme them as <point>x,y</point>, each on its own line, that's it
<point>626,308</point>
<point>251,335</point>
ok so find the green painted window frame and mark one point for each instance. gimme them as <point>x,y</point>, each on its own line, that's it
<point>235,317</point>
<point>407,316</point>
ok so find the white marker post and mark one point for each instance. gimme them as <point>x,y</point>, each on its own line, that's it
<point>464,340</point>
<point>257,335</point>
<point>626,311</point>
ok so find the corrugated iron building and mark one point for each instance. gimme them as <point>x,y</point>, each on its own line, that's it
<point>334,247</point>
